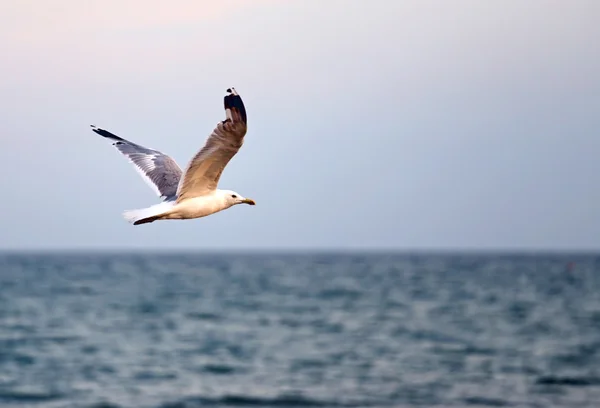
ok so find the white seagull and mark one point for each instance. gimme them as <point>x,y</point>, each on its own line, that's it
<point>194,194</point>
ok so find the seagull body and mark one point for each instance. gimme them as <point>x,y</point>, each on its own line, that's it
<point>193,193</point>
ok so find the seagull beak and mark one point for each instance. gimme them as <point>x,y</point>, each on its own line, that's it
<point>248,201</point>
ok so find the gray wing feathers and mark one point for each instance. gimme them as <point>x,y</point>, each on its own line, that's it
<point>158,170</point>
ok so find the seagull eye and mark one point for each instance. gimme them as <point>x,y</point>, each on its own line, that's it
<point>234,196</point>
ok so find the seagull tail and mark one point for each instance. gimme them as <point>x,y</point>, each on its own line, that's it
<point>147,215</point>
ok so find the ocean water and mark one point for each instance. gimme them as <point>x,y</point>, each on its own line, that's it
<point>300,330</point>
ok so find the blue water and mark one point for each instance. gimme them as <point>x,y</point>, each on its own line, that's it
<point>184,330</point>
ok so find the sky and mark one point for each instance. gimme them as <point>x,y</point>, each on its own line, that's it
<point>407,125</point>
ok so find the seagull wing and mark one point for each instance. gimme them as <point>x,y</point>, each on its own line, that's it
<point>204,170</point>
<point>159,171</point>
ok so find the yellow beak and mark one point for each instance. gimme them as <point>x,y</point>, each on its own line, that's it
<point>248,201</point>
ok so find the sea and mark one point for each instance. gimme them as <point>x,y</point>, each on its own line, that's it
<point>187,330</point>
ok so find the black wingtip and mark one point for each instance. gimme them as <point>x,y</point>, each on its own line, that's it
<point>234,101</point>
<point>105,133</point>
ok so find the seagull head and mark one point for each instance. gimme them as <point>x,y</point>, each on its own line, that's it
<point>234,198</point>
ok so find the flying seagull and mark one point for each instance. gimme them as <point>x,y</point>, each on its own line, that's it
<point>193,193</point>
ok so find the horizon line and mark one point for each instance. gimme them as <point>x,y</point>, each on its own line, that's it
<point>310,250</point>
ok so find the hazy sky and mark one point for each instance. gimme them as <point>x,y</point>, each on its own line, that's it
<point>372,124</point>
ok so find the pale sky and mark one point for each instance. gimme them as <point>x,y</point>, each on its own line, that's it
<point>414,124</point>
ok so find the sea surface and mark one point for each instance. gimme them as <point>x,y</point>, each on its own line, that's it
<point>299,330</point>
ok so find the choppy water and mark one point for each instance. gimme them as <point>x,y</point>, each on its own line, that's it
<point>183,331</point>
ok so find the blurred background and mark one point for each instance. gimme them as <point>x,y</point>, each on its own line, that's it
<point>426,227</point>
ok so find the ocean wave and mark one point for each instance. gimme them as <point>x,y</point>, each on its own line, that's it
<point>28,396</point>
<point>486,402</point>
<point>569,381</point>
<point>247,400</point>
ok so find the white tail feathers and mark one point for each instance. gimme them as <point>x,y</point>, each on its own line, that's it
<point>136,215</point>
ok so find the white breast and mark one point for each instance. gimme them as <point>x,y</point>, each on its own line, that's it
<point>197,207</point>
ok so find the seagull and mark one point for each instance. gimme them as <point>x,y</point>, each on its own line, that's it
<point>193,193</point>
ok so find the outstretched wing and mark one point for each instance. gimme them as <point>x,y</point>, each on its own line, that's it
<point>159,171</point>
<point>204,170</point>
